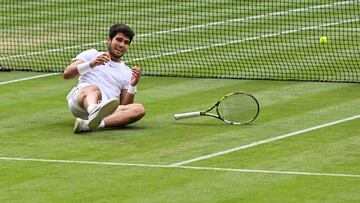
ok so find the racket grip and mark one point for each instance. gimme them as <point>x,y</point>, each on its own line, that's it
<point>187,115</point>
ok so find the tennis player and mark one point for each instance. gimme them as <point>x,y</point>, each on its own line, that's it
<point>104,96</point>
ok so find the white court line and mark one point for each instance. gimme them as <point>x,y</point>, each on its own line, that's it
<point>308,9</point>
<point>298,10</point>
<point>270,171</point>
<point>344,28</point>
<point>28,78</point>
<point>264,141</point>
<point>183,167</point>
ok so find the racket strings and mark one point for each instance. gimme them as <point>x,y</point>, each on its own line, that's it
<point>238,108</point>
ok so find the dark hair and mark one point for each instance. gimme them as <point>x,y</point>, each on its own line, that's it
<point>121,28</point>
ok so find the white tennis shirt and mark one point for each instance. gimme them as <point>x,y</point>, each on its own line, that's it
<point>111,77</point>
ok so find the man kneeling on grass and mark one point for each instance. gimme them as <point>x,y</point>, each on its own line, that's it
<point>104,97</point>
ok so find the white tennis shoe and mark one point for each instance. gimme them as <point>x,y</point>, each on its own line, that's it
<point>102,110</point>
<point>80,126</point>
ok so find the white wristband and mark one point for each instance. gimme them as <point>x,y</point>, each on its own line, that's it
<point>131,90</point>
<point>83,68</point>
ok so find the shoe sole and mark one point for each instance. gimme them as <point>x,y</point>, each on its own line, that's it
<point>76,126</point>
<point>107,109</point>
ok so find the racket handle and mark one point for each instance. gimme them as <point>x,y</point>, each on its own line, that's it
<point>187,115</point>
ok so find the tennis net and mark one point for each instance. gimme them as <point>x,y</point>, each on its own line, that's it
<point>257,39</point>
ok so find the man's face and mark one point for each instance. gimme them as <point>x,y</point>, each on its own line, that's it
<point>118,46</point>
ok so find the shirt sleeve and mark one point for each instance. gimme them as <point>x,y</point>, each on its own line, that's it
<point>87,55</point>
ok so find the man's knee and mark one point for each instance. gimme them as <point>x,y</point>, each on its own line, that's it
<point>138,110</point>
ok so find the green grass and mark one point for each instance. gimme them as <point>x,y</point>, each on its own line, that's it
<point>135,163</point>
<point>36,123</point>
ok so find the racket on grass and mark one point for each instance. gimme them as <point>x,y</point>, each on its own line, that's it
<point>234,108</point>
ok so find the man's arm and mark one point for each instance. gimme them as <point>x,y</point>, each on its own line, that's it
<point>71,71</point>
<point>74,69</point>
<point>126,98</point>
<point>127,95</point>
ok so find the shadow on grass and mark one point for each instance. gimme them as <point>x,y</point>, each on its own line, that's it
<point>112,130</point>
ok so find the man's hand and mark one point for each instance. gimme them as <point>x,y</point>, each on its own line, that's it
<point>100,60</point>
<point>136,74</point>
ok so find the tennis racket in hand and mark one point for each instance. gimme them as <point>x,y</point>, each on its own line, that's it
<point>234,108</point>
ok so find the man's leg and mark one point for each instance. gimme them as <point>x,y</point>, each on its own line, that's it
<point>125,115</point>
<point>122,116</point>
<point>89,98</point>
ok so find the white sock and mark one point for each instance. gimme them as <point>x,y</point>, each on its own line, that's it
<point>91,108</point>
<point>86,125</point>
<point>102,124</point>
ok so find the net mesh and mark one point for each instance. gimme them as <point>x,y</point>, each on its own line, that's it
<point>257,39</point>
